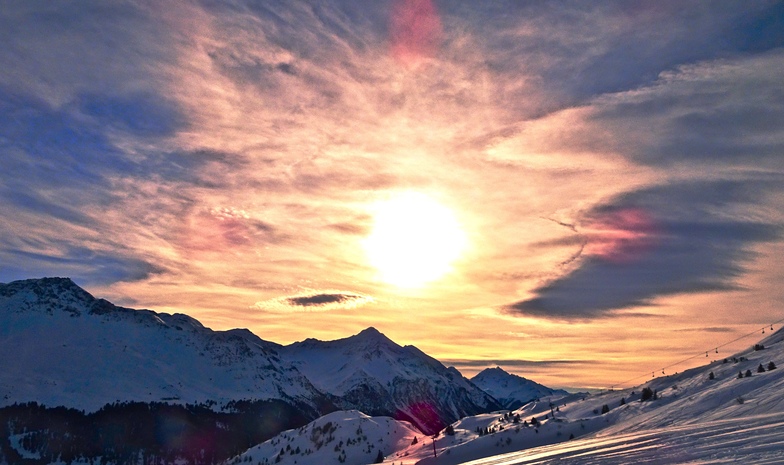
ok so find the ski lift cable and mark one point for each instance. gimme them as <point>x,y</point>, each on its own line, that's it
<point>756,331</point>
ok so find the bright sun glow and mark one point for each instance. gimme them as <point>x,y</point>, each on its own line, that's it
<point>414,240</point>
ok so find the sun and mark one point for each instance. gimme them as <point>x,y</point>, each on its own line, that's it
<point>414,240</point>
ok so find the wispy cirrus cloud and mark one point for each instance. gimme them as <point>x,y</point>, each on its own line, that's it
<point>209,155</point>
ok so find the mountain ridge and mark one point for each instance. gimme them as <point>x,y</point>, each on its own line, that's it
<point>400,381</point>
<point>82,352</point>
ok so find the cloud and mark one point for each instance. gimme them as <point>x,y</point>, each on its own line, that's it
<point>58,51</point>
<point>320,299</point>
<point>220,150</point>
<point>513,363</point>
<point>142,114</point>
<point>80,263</point>
<point>662,240</point>
<point>314,302</point>
<point>711,329</point>
<point>728,112</point>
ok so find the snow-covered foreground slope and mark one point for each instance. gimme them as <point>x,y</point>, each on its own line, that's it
<point>510,390</point>
<point>756,439</point>
<point>694,419</point>
<point>348,437</point>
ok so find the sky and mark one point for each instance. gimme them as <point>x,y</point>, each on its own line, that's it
<point>578,192</point>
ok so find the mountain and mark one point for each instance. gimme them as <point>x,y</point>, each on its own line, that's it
<point>68,348</point>
<point>510,390</point>
<point>371,373</point>
<point>347,437</point>
<point>76,367</point>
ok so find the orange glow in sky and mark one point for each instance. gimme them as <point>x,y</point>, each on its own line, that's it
<point>572,191</point>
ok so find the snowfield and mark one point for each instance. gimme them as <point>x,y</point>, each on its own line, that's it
<point>758,439</point>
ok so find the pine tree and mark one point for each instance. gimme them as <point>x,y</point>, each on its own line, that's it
<point>740,374</point>
<point>760,369</point>
<point>747,374</point>
<point>711,376</point>
<point>379,457</point>
<point>605,409</point>
<point>771,366</point>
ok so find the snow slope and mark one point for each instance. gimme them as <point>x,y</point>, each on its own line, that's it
<point>349,437</point>
<point>510,390</point>
<point>726,419</point>
<point>756,439</point>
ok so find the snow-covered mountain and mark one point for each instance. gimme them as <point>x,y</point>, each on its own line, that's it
<point>371,373</point>
<point>65,347</point>
<point>510,390</point>
<point>347,437</point>
<point>61,346</point>
<point>138,369</point>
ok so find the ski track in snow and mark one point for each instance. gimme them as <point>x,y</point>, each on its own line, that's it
<point>758,439</point>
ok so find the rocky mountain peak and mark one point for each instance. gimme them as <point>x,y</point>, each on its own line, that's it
<point>370,336</point>
<point>46,294</point>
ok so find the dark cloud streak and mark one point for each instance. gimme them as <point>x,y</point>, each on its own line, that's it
<point>321,299</point>
<point>513,363</point>
<point>80,263</point>
<point>697,249</point>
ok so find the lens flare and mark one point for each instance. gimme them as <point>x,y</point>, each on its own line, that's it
<point>415,30</point>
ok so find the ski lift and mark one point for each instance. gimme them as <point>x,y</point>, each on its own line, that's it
<point>717,350</point>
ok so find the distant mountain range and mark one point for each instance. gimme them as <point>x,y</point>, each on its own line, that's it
<point>65,348</point>
<point>85,381</point>
<point>727,411</point>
